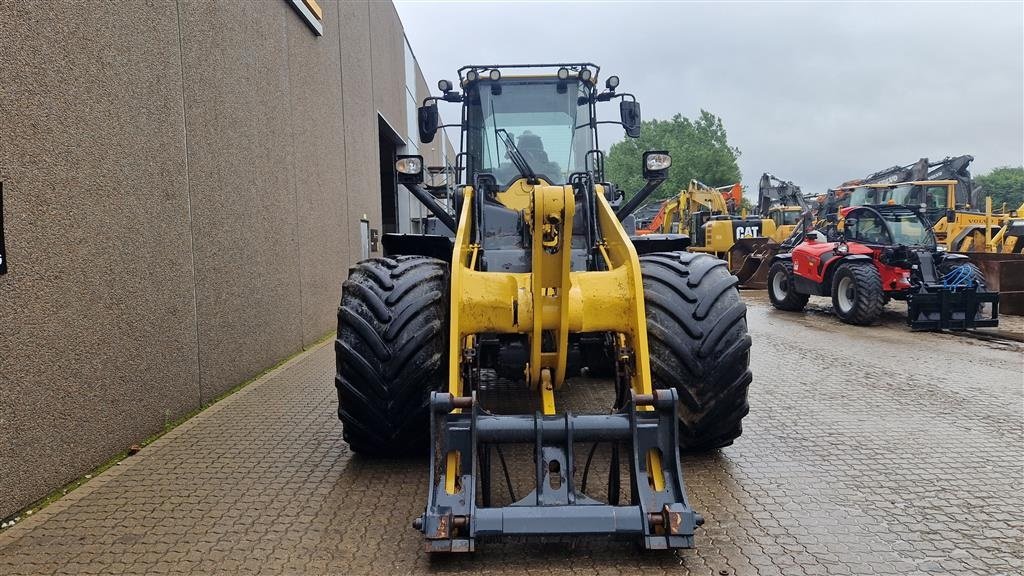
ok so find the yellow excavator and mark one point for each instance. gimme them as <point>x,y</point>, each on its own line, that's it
<point>712,218</point>
<point>693,207</point>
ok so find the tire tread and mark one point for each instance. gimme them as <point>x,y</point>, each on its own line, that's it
<point>698,343</point>
<point>391,352</point>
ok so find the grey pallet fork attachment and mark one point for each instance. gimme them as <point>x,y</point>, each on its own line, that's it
<point>662,519</point>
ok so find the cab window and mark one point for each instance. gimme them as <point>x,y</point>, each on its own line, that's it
<point>935,197</point>
<point>866,227</point>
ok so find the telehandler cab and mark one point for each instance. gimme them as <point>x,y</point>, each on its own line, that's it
<point>533,281</point>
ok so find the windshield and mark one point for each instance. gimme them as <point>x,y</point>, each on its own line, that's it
<point>873,195</point>
<point>539,118</point>
<point>898,195</point>
<point>790,217</point>
<point>862,196</point>
<point>907,229</point>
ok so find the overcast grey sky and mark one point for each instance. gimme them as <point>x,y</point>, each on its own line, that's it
<point>817,93</point>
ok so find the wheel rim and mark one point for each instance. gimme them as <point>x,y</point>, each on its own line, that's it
<point>846,293</point>
<point>779,286</point>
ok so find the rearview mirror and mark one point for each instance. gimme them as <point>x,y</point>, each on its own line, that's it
<point>629,112</point>
<point>428,120</point>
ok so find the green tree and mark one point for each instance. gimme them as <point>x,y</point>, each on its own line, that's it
<point>1004,184</point>
<point>699,149</point>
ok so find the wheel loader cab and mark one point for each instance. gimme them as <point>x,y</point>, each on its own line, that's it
<point>541,284</point>
<point>546,119</point>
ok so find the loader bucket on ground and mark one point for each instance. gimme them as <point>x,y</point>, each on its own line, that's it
<point>1004,273</point>
<point>937,307</point>
<point>750,259</point>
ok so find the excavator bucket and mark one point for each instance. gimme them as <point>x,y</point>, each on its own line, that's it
<point>750,259</point>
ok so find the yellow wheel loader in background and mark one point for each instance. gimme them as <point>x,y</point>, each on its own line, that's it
<point>531,282</point>
<point>782,206</point>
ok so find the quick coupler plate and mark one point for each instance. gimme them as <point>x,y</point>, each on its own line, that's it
<point>659,513</point>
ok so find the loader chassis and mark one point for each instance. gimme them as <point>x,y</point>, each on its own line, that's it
<point>543,283</point>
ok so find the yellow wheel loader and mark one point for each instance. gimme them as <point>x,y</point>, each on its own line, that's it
<point>781,205</point>
<point>531,282</point>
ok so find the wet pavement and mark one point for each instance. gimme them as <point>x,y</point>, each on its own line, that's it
<point>868,450</point>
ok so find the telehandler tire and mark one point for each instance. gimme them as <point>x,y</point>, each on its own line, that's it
<point>781,291</point>
<point>857,295</point>
<point>391,352</point>
<point>698,342</point>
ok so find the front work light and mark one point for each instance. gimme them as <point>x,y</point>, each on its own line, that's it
<point>472,76</point>
<point>409,165</point>
<point>563,73</point>
<point>612,82</point>
<point>495,75</point>
<point>444,85</point>
<point>656,164</point>
<point>585,74</point>
<point>657,161</point>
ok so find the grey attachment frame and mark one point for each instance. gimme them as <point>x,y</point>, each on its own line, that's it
<point>660,519</point>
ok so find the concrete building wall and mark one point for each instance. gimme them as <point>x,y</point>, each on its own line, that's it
<point>183,185</point>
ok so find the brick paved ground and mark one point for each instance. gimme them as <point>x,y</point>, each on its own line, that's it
<point>875,452</point>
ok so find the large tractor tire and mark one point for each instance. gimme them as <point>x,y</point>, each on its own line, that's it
<point>698,342</point>
<point>391,351</point>
<point>781,292</point>
<point>857,295</point>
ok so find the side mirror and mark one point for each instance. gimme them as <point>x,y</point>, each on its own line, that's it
<point>656,164</point>
<point>428,120</point>
<point>409,169</point>
<point>629,112</point>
